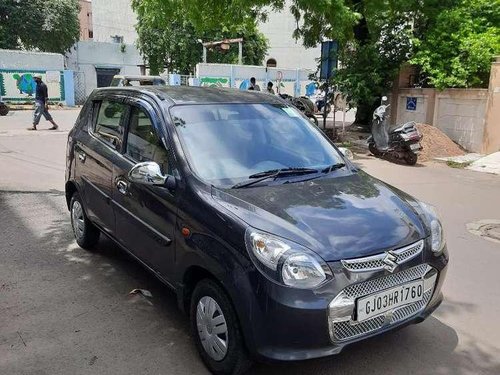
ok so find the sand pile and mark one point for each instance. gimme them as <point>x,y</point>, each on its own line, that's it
<point>436,144</point>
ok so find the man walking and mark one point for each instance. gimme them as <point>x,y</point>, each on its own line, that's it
<point>41,104</point>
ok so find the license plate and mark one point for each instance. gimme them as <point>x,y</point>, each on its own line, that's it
<point>415,146</point>
<point>390,299</point>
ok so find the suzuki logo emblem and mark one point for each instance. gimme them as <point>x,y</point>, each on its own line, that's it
<point>390,261</point>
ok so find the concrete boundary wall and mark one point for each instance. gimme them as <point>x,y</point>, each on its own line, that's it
<point>470,117</point>
<point>292,81</point>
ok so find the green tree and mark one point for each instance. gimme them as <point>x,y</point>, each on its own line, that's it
<point>45,25</point>
<point>458,49</point>
<point>169,39</point>
<point>451,40</point>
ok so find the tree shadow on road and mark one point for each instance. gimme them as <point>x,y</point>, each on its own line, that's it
<point>78,302</point>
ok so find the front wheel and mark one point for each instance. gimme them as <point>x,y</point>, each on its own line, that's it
<point>86,233</point>
<point>411,158</point>
<point>215,328</point>
<point>373,149</point>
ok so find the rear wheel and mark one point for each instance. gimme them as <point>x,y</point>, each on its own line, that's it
<point>411,158</point>
<point>215,328</point>
<point>4,109</point>
<point>86,233</point>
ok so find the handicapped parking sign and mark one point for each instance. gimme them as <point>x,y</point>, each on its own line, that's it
<point>411,103</point>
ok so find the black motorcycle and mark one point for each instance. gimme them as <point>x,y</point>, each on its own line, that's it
<point>303,104</point>
<point>400,142</point>
<point>4,108</point>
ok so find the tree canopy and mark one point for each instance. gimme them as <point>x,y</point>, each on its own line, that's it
<point>452,42</point>
<point>44,25</point>
<point>457,50</point>
<point>168,38</point>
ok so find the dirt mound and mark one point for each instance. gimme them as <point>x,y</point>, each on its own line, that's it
<point>436,144</point>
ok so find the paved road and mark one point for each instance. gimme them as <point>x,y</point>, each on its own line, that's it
<point>64,310</point>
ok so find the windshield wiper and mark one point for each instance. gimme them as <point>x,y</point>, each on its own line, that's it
<point>273,173</point>
<point>333,167</point>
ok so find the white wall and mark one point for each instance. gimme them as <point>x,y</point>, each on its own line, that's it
<point>418,115</point>
<point>287,52</point>
<point>460,115</point>
<point>113,17</point>
<point>10,59</point>
<point>87,55</point>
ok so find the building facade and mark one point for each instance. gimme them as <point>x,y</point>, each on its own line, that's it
<point>284,51</point>
<point>85,18</point>
<point>114,21</point>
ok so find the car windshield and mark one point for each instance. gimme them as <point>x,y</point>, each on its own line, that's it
<point>228,143</point>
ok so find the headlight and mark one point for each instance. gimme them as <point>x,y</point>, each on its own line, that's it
<point>286,262</point>
<point>437,239</point>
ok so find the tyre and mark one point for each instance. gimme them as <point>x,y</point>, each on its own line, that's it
<point>4,110</point>
<point>216,330</point>
<point>373,149</point>
<point>86,233</point>
<point>411,158</point>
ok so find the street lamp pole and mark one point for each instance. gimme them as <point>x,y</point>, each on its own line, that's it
<point>240,52</point>
<point>224,45</point>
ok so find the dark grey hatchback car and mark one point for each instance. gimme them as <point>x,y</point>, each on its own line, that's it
<point>277,246</point>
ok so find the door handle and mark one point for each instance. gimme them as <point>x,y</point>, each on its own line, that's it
<point>122,187</point>
<point>82,156</point>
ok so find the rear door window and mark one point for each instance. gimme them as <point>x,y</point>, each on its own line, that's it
<point>109,124</point>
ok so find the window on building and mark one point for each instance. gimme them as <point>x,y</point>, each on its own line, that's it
<point>271,63</point>
<point>91,34</point>
<point>117,38</point>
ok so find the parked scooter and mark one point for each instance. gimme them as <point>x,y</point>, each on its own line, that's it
<point>4,108</point>
<point>402,142</point>
<point>320,102</point>
<point>303,104</point>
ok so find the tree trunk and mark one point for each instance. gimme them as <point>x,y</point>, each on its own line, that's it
<point>364,114</point>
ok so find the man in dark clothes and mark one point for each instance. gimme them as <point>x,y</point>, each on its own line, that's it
<point>253,85</point>
<point>41,104</point>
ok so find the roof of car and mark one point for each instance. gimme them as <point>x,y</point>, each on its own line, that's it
<point>202,95</point>
<point>137,77</point>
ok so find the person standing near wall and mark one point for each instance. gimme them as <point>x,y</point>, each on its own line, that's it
<point>270,89</point>
<point>253,85</point>
<point>41,104</point>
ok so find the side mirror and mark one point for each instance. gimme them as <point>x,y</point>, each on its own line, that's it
<point>149,173</point>
<point>384,99</point>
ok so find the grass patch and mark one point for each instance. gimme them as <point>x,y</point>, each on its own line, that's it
<point>459,165</point>
<point>346,144</point>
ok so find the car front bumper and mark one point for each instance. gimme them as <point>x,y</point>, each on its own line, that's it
<point>290,324</point>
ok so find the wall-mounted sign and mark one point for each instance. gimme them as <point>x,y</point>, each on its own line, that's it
<point>411,103</point>
<point>329,61</point>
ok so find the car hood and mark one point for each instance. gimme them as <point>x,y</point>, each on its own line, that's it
<point>343,217</point>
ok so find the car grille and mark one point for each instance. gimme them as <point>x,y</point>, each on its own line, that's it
<point>376,262</point>
<point>342,330</point>
<point>347,331</point>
